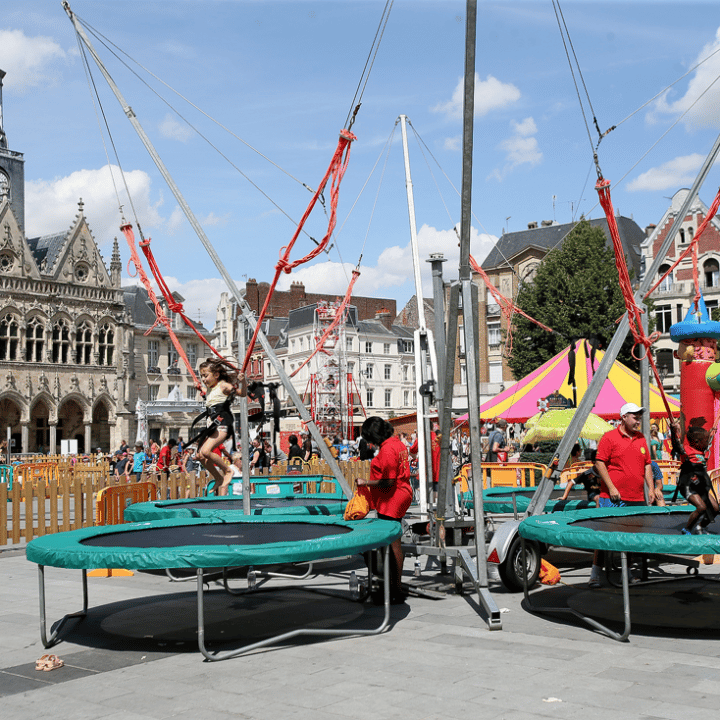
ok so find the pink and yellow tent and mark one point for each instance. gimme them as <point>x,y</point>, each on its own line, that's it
<point>520,401</point>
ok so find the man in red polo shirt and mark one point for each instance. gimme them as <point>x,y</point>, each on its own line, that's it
<point>623,462</point>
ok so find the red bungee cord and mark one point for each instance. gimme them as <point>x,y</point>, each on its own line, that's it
<point>336,170</point>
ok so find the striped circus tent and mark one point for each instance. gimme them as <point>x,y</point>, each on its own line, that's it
<point>520,401</point>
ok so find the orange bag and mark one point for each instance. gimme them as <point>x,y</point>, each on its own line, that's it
<point>359,504</point>
<point>549,574</point>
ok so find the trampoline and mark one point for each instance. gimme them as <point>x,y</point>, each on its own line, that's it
<point>294,504</point>
<point>500,499</point>
<point>645,530</point>
<point>212,542</point>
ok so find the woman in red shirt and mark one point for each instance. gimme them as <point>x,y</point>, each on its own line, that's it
<point>390,490</point>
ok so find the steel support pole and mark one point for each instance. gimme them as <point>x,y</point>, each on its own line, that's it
<point>245,308</point>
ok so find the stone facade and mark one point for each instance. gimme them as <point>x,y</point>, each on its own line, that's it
<point>74,358</point>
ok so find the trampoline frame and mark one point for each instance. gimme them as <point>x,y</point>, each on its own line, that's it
<point>625,583</point>
<point>53,638</point>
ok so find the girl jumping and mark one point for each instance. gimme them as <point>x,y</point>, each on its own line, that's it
<point>222,382</point>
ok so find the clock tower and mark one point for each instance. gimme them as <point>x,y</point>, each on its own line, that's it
<point>12,171</point>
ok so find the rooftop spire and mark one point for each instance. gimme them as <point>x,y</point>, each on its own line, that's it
<point>3,137</point>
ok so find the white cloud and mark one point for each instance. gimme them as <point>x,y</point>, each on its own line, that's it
<point>201,297</point>
<point>172,129</point>
<point>176,221</point>
<point>51,205</point>
<point>490,94</point>
<point>520,149</point>
<point>673,174</point>
<point>704,112</point>
<point>394,267</point>
<point>29,61</point>
<point>453,143</point>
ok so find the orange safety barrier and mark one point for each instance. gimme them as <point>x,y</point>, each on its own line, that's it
<point>670,470</point>
<point>573,471</point>
<point>521,474</point>
<point>112,501</point>
<point>36,473</point>
<point>110,510</point>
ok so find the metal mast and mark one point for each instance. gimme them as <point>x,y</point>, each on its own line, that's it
<point>245,308</point>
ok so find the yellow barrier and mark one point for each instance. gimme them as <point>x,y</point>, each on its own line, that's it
<point>511,474</point>
<point>112,501</point>
<point>110,510</point>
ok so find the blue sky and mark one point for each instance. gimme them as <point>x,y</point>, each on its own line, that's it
<point>282,75</point>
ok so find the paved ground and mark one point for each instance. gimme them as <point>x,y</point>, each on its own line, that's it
<point>134,657</point>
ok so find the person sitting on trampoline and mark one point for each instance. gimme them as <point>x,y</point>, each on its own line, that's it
<point>589,479</point>
<point>694,483</point>
<point>222,383</point>
<point>390,490</point>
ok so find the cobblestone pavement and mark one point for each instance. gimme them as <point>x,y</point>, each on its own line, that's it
<point>135,655</point>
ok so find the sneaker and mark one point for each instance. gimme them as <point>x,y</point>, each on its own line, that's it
<point>699,530</point>
<point>594,583</point>
<point>685,531</point>
<point>635,577</point>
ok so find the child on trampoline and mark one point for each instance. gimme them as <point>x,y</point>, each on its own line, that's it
<point>694,483</point>
<point>223,382</point>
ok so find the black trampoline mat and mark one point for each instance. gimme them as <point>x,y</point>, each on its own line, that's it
<point>657,524</point>
<point>216,534</point>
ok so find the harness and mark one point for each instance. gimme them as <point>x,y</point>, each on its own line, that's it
<point>694,473</point>
<point>218,415</point>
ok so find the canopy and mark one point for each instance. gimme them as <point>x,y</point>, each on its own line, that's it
<point>520,401</point>
<point>552,424</point>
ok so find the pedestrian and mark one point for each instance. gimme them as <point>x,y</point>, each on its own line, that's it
<point>496,443</point>
<point>140,461</point>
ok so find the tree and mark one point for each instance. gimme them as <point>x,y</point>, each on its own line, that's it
<point>576,292</point>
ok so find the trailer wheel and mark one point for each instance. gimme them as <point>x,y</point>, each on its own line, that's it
<point>511,568</point>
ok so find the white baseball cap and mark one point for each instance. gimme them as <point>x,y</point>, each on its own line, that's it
<point>631,408</point>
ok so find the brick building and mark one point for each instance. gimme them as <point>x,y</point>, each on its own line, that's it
<point>673,297</point>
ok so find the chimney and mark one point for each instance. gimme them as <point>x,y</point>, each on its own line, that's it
<point>649,230</point>
<point>297,289</point>
<point>532,226</point>
<point>384,317</point>
<point>546,223</point>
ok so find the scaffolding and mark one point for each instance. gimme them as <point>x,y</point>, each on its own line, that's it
<point>331,397</point>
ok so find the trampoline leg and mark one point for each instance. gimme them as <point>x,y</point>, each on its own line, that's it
<point>53,639</point>
<point>327,632</point>
<point>620,637</point>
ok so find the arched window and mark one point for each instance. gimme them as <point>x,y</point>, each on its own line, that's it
<point>712,272</point>
<point>34,340</point>
<point>106,344</point>
<point>682,235</point>
<point>666,284</point>
<point>60,341</point>
<point>9,337</point>
<point>83,344</point>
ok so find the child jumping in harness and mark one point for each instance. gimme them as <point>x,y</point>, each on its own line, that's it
<point>222,382</point>
<point>694,483</point>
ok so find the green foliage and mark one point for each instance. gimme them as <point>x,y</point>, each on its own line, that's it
<point>715,314</point>
<point>577,293</point>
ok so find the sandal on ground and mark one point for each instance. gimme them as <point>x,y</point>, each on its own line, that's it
<point>52,662</point>
<point>41,662</point>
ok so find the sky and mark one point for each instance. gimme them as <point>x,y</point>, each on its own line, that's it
<point>270,85</point>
